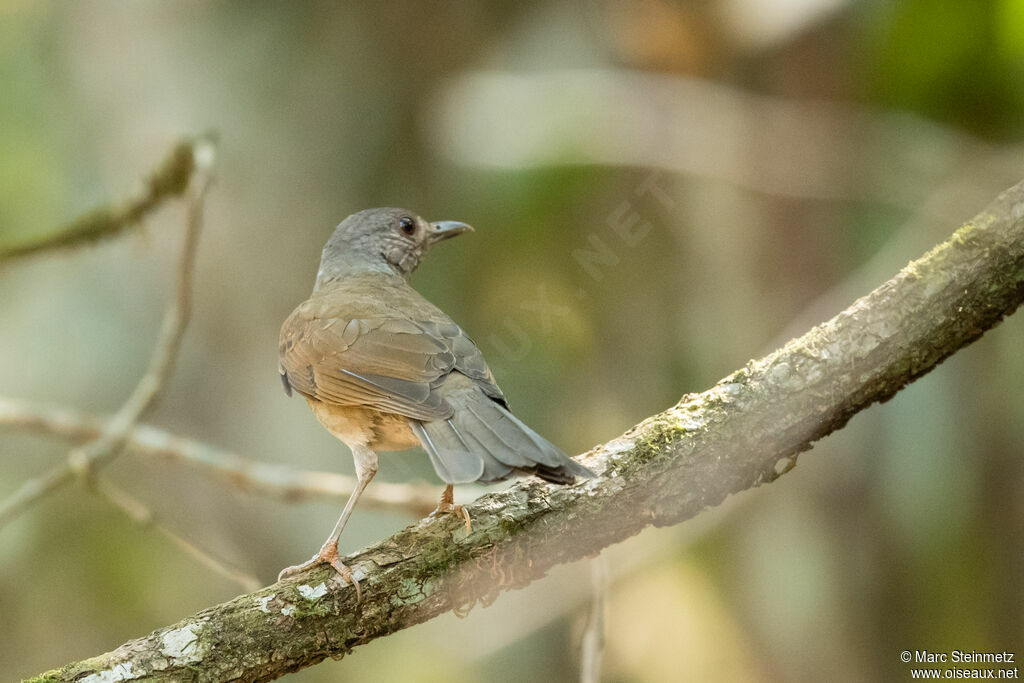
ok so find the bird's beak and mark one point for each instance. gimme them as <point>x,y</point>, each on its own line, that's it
<point>442,230</point>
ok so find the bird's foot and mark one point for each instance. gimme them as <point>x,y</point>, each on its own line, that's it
<point>328,555</point>
<point>445,508</point>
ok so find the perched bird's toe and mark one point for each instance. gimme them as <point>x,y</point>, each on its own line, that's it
<point>348,577</point>
<point>289,572</point>
<point>327,555</point>
<point>447,507</point>
<point>314,561</point>
<point>461,510</point>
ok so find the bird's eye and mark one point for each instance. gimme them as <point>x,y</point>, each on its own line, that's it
<point>407,225</point>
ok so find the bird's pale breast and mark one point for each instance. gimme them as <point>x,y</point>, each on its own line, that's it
<point>357,425</point>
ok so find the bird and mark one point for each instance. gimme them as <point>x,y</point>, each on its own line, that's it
<point>383,369</point>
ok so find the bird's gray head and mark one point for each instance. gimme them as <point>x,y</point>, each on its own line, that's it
<point>381,240</point>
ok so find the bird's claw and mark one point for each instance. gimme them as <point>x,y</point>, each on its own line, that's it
<point>446,508</point>
<point>327,555</point>
<point>460,509</point>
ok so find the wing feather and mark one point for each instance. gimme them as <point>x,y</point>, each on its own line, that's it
<point>348,351</point>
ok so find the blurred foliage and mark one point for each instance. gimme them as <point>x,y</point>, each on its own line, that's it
<point>960,62</point>
<point>903,531</point>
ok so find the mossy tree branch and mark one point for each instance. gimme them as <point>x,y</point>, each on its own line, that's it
<point>168,180</point>
<point>745,431</point>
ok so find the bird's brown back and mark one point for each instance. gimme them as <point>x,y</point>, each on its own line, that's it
<point>372,340</point>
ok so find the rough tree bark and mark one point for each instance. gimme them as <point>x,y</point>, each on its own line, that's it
<point>745,431</point>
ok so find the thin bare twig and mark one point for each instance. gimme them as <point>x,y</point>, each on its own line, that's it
<point>592,649</point>
<point>138,511</point>
<point>85,459</point>
<point>170,179</point>
<point>279,482</point>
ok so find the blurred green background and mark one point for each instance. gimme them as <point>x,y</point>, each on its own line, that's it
<point>802,151</point>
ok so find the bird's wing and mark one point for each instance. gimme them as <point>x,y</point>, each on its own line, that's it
<point>388,362</point>
<point>468,359</point>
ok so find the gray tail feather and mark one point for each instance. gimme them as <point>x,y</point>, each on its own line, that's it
<point>483,441</point>
<point>453,460</point>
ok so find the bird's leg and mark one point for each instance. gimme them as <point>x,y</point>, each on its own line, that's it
<point>447,505</point>
<point>366,467</point>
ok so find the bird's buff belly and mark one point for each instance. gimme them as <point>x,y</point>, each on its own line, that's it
<point>356,425</point>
